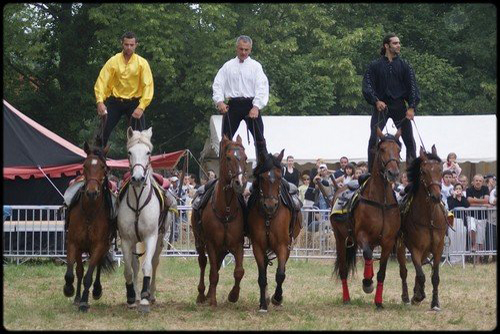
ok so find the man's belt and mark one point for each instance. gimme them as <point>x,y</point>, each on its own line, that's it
<point>124,100</point>
<point>241,99</point>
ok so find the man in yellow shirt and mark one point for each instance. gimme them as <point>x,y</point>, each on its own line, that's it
<point>126,84</point>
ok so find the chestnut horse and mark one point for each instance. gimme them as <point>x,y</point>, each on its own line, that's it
<point>218,227</point>
<point>89,228</point>
<point>423,224</point>
<point>374,220</point>
<point>272,225</point>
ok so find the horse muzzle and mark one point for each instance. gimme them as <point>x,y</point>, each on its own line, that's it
<point>270,205</point>
<point>92,194</point>
<point>239,185</point>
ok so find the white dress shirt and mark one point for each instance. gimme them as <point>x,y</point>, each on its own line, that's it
<point>246,79</point>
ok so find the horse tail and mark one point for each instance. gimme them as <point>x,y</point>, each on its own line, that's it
<point>350,260</point>
<point>107,263</point>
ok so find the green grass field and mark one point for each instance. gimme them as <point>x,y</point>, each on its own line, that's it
<point>33,300</point>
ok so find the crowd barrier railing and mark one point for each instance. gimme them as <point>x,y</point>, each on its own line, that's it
<point>38,232</point>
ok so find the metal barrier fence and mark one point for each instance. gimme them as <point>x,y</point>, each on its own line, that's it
<point>38,232</point>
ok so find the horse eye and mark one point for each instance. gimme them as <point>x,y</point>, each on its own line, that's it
<point>129,153</point>
<point>149,153</point>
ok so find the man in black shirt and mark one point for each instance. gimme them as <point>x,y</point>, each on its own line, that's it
<point>389,85</point>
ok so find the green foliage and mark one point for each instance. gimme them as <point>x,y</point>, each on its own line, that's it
<point>313,54</point>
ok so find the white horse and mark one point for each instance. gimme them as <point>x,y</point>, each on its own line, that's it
<point>138,217</point>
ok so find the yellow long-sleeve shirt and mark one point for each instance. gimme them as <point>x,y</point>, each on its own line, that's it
<point>125,80</point>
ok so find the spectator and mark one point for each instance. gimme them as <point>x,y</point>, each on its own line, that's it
<point>364,167</point>
<point>400,189</point>
<point>203,180</point>
<point>211,175</point>
<point>457,199</point>
<point>464,181</point>
<point>491,181</point>
<point>358,171</point>
<point>290,173</point>
<point>451,164</point>
<point>454,178</point>
<point>192,181</point>
<point>478,196</point>
<point>348,172</point>
<point>493,196</point>
<point>320,201</point>
<point>303,188</point>
<point>446,186</point>
<point>315,169</point>
<point>341,171</point>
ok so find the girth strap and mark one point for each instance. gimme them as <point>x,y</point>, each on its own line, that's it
<point>138,210</point>
<point>377,204</point>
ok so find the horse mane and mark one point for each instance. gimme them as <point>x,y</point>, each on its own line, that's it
<point>266,164</point>
<point>139,137</point>
<point>413,171</point>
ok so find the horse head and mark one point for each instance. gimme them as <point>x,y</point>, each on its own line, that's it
<point>139,149</point>
<point>388,152</point>
<point>431,171</point>
<point>95,170</point>
<point>269,173</point>
<point>233,162</point>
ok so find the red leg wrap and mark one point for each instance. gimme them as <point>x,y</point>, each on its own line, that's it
<point>345,291</point>
<point>378,293</point>
<point>368,269</point>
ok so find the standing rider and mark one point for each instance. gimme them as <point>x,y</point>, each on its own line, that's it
<point>242,81</point>
<point>389,84</point>
<point>126,84</point>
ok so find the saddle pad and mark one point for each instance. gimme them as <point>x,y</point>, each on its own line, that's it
<point>72,190</point>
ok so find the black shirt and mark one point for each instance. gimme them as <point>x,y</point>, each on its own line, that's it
<point>291,177</point>
<point>473,192</point>
<point>395,80</point>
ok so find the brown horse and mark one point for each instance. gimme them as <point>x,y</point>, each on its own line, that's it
<point>89,228</point>
<point>219,228</point>
<point>423,224</point>
<point>374,221</point>
<point>272,225</point>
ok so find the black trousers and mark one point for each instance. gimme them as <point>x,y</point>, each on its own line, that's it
<point>238,110</point>
<point>396,109</point>
<point>116,109</point>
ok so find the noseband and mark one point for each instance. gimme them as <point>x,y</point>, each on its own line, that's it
<point>263,198</point>
<point>383,170</point>
<point>230,173</point>
<point>426,185</point>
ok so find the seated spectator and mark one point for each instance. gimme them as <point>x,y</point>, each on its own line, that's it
<point>451,164</point>
<point>446,186</point>
<point>290,173</point>
<point>341,171</point>
<point>478,196</point>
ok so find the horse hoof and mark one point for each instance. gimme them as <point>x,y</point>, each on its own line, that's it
<point>131,305</point>
<point>379,306</point>
<point>262,310</point>
<point>84,307</point>
<point>234,295</point>
<point>436,308</point>
<point>96,294</point>
<point>144,308</point>
<point>347,302</point>
<point>201,299</point>
<point>69,290</point>
<point>276,302</point>
<point>368,288</point>
<point>76,301</point>
<point>414,301</point>
<point>152,301</point>
<point>268,301</point>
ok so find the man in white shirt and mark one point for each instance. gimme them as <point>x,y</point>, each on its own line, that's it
<point>242,81</point>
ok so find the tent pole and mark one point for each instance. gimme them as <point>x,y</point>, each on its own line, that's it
<point>41,170</point>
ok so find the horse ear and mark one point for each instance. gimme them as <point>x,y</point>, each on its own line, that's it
<point>149,133</point>
<point>398,134</point>
<point>434,150</point>
<point>239,140</point>
<point>130,132</point>
<point>422,153</point>
<point>280,156</point>
<point>380,134</point>
<point>86,147</point>
<point>106,149</point>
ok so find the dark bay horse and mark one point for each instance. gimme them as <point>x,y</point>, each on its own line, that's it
<point>218,229</point>
<point>89,228</point>
<point>272,225</point>
<point>374,221</point>
<point>423,224</point>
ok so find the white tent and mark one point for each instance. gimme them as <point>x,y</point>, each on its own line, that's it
<point>306,138</point>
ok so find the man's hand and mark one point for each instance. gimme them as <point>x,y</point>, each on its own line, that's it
<point>381,106</point>
<point>223,108</point>
<point>137,113</point>
<point>101,109</point>
<point>410,113</point>
<point>254,112</point>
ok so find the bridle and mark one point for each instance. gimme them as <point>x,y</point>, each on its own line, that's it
<point>426,185</point>
<point>384,164</point>
<point>263,198</point>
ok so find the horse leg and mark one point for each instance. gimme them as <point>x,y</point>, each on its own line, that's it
<point>283,253</point>
<point>97,291</point>
<point>435,279</point>
<point>128,258</point>
<point>368,273</point>
<point>202,263</point>
<point>341,261</point>
<point>87,283</point>
<point>419,289</point>
<point>214,275</point>
<point>261,260</point>
<point>69,277</point>
<point>79,278</point>
<point>156,261</point>
<point>384,257</point>
<point>238,274</point>
<point>403,272</point>
<point>147,270</point>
